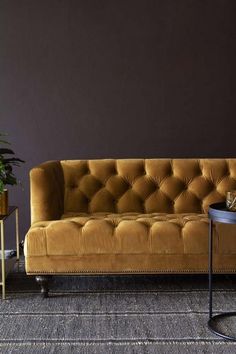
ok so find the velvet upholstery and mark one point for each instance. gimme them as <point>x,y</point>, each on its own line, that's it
<point>129,215</point>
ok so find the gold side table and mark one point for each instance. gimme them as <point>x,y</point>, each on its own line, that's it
<point>3,218</point>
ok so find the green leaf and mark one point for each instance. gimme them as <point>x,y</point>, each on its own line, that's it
<point>12,160</point>
<point>11,180</point>
<point>4,142</point>
<point>6,151</point>
<point>6,165</point>
<point>1,186</point>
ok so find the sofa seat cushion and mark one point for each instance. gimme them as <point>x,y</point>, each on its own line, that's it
<point>127,233</point>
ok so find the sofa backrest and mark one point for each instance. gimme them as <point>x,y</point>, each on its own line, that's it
<point>146,185</point>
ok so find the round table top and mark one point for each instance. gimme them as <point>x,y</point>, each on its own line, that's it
<point>219,212</point>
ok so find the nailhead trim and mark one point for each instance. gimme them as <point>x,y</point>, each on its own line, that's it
<point>172,271</point>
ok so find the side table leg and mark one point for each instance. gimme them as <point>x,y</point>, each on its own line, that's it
<point>17,235</point>
<point>210,268</point>
<point>3,261</point>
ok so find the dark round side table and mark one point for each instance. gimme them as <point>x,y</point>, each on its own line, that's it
<point>218,213</point>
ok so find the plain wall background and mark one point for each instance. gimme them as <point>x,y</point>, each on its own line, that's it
<point>116,78</point>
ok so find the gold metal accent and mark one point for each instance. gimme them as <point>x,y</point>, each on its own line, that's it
<point>2,236</point>
<point>4,202</point>
<point>231,200</point>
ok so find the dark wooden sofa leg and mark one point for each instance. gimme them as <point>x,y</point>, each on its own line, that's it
<point>43,281</point>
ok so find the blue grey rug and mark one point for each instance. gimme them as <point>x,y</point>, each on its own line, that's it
<point>114,314</point>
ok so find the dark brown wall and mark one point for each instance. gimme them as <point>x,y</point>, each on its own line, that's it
<point>123,78</point>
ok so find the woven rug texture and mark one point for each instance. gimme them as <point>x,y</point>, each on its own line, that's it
<point>115,314</point>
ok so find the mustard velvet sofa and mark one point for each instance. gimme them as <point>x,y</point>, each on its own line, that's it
<point>127,216</point>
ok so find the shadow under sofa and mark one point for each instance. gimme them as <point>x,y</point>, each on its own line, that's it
<point>116,216</point>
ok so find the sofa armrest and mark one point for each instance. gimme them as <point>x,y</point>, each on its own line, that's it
<point>46,191</point>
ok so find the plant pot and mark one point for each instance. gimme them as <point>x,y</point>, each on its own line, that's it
<point>4,202</point>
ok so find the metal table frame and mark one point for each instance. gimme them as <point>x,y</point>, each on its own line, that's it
<point>217,213</point>
<point>3,218</point>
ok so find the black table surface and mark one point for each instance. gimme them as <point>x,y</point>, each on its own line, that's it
<point>219,212</point>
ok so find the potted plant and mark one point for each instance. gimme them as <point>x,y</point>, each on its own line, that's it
<point>7,176</point>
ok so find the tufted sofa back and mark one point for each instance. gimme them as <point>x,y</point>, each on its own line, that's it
<point>146,185</point>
